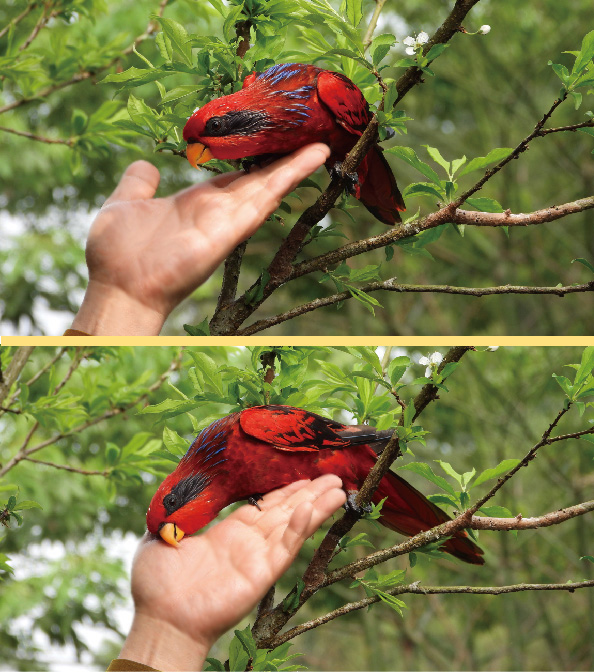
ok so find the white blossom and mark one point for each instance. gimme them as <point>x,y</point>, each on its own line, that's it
<point>414,44</point>
<point>492,348</point>
<point>484,30</point>
<point>433,360</point>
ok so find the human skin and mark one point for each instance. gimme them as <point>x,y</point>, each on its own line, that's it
<point>187,596</point>
<point>146,254</point>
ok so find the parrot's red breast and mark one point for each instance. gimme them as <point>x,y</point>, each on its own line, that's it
<point>286,107</point>
<point>259,449</point>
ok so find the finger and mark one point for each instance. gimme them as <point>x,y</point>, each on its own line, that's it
<point>221,181</point>
<point>278,516</point>
<point>139,181</point>
<point>308,517</point>
<point>261,192</point>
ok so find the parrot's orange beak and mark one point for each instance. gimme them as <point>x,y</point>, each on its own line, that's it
<point>198,154</point>
<point>171,533</point>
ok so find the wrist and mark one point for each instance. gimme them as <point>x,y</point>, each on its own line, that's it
<point>162,646</point>
<point>109,311</point>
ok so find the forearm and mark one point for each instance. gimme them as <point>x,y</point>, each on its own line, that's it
<point>109,311</point>
<point>161,646</point>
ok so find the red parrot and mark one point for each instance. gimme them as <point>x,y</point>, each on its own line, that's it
<point>286,107</point>
<point>247,454</point>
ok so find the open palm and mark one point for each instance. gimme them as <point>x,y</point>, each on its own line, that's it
<point>208,583</point>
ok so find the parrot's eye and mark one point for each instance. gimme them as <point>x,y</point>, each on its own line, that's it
<point>215,126</point>
<point>170,501</point>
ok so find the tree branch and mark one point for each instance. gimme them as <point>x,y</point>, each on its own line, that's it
<point>417,589</point>
<point>16,365</point>
<point>24,451</point>
<point>519,523</point>
<point>39,138</point>
<point>393,286</point>
<point>65,467</point>
<point>522,147</point>
<point>18,19</point>
<point>442,216</point>
<point>449,528</point>
<point>86,74</point>
<point>368,37</point>
<point>41,22</point>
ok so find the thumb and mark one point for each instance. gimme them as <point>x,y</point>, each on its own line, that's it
<point>139,181</point>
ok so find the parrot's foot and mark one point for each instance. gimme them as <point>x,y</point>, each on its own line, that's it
<point>254,499</point>
<point>337,173</point>
<point>352,506</point>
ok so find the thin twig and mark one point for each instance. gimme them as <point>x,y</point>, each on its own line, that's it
<point>417,589</point>
<point>41,23</point>
<point>521,147</point>
<point>520,523</point>
<point>18,19</point>
<point>368,37</point>
<point>86,74</point>
<point>66,467</point>
<point>39,138</point>
<point>24,451</point>
<point>393,286</point>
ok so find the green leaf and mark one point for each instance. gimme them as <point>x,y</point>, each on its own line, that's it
<point>425,470</point>
<point>238,656</point>
<point>174,443</point>
<point>485,204</point>
<point>502,468</point>
<point>450,471</point>
<point>585,55</point>
<point>202,329</point>
<point>171,407</point>
<point>423,189</point>
<point>179,37</point>
<point>587,557</point>
<point>435,154</point>
<point>28,504</point>
<point>586,366</point>
<point>379,48</point>
<point>435,51</point>
<point>494,156</point>
<point>407,154</point>
<point>496,511</point>
<point>585,263</point>
<point>215,664</point>
<point>246,639</point>
<point>354,11</point>
<point>178,92</point>
<point>397,368</point>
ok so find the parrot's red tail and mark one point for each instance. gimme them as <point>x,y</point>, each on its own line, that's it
<point>409,512</point>
<point>379,193</point>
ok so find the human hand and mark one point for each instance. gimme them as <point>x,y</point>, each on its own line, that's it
<point>146,254</point>
<point>187,596</point>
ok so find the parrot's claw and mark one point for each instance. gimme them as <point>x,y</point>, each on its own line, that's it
<point>254,499</point>
<point>337,173</point>
<point>351,505</point>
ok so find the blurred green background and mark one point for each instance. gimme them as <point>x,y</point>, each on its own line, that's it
<point>488,91</point>
<point>69,593</point>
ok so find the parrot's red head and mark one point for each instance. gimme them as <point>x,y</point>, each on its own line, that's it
<point>180,506</point>
<point>267,116</point>
<point>224,129</point>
